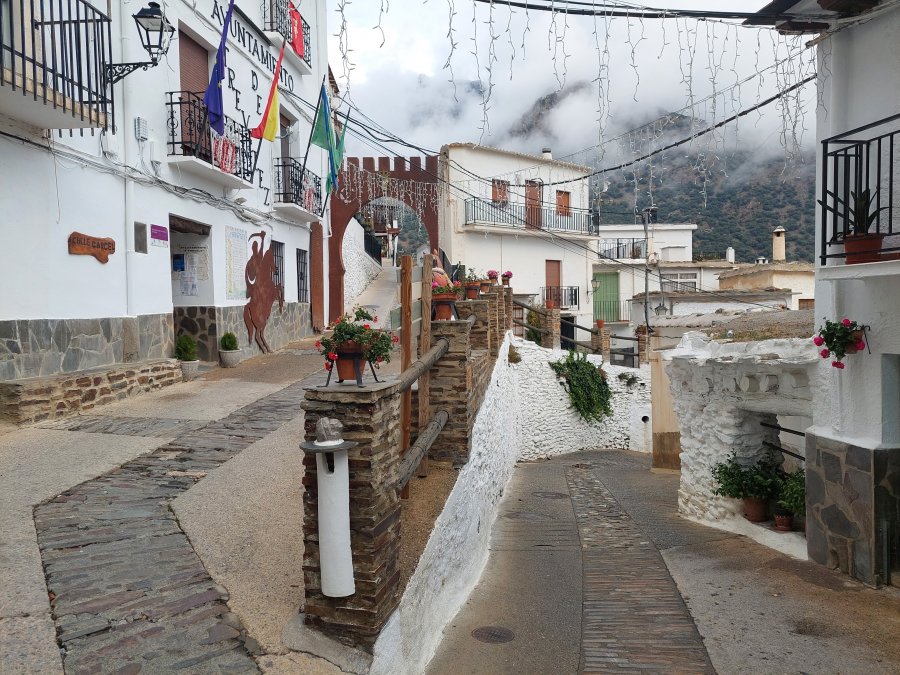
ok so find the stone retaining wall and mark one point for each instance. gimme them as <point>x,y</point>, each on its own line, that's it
<point>36,399</point>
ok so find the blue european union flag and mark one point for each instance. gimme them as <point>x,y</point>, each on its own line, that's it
<point>215,106</point>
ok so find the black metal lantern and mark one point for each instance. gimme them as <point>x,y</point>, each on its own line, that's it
<point>155,33</point>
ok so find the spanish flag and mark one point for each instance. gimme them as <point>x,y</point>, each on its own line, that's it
<point>268,126</point>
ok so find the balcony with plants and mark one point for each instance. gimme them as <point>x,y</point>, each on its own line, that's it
<point>53,60</point>
<point>192,146</point>
<point>298,191</point>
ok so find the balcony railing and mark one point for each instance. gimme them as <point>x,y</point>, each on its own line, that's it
<point>623,249</point>
<point>279,21</point>
<point>55,52</point>
<point>190,136</point>
<point>561,296</point>
<point>519,216</point>
<point>372,246</point>
<point>866,158</point>
<point>296,185</point>
<point>612,310</point>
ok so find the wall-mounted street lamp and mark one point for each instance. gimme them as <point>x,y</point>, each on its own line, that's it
<point>595,284</point>
<point>155,33</point>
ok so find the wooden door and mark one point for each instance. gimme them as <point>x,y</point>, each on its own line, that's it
<point>533,205</point>
<point>552,276</point>
<point>606,297</point>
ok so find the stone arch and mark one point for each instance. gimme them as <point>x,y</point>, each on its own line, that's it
<point>362,182</point>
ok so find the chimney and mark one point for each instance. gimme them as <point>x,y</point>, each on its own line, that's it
<point>729,255</point>
<point>547,153</point>
<point>778,244</point>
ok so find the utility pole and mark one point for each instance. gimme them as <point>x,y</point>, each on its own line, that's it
<point>645,217</point>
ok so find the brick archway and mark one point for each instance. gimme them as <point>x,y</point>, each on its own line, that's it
<point>362,181</point>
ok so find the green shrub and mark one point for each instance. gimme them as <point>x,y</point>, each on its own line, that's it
<point>762,480</point>
<point>628,379</point>
<point>587,386</point>
<point>533,319</point>
<point>793,493</point>
<point>513,356</point>
<point>185,348</point>
<point>229,342</point>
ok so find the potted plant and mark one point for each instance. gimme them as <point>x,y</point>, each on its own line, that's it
<point>352,341</point>
<point>186,352</point>
<point>505,277</point>
<point>792,501</point>
<point>756,484</point>
<point>839,338</point>
<point>860,245</point>
<point>229,351</point>
<point>492,276</point>
<point>443,299</point>
<point>473,285</point>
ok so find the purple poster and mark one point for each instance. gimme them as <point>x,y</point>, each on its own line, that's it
<point>159,236</point>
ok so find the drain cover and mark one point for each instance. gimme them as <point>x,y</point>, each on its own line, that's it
<point>493,634</point>
<point>551,495</point>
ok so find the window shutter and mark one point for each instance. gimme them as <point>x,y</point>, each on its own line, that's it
<point>193,60</point>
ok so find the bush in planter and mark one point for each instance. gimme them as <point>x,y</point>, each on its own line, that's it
<point>757,481</point>
<point>229,342</point>
<point>185,348</point>
<point>793,493</point>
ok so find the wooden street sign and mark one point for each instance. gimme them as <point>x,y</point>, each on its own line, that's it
<point>99,247</point>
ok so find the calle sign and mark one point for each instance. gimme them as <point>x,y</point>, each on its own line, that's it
<point>99,247</point>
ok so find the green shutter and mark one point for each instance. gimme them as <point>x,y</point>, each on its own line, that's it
<point>606,297</point>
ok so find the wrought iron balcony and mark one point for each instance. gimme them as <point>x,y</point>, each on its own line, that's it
<point>623,249</point>
<point>191,137</point>
<point>612,311</point>
<point>278,20</point>
<point>298,186</point>
<point>563,297</point>
<point>520,216</point>
<point>52,59</point>
<point>854,161</point>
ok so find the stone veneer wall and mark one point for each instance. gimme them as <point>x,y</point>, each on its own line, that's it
<point>852,507</point>
<point>36,399</point>
<point>207,324</point>
<point>46,347</point>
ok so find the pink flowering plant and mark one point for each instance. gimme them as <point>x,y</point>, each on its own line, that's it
<point>376,345</point>
<point>453,287</point>
<point>839,338</point>
<point>493,274</point>
<point>507,275</point>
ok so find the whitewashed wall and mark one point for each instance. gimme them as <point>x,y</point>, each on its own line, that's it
<point>359,267</point>
<point>523,416</point>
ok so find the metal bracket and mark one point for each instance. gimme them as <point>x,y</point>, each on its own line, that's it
<point>118,71</point>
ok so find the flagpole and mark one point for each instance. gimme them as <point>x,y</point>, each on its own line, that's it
<point>335,187</point>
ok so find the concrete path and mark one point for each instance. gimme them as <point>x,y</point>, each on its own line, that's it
<point>381,296</point>
<point>592,570</point>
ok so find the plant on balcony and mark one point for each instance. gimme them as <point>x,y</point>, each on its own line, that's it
<point>757,484</point>
<point>860,245</point>
<point>586,384</point>
<point>839,338</point>
<point>353,338</point>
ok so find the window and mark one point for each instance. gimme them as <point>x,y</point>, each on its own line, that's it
<point>563,203</point>
<point>140,238</point>
<point>500,191</point>
<point>302,287</point>
<point>278,254</point>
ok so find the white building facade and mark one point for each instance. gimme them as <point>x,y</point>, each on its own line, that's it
<point>134,166</point>
<point>527,214</point>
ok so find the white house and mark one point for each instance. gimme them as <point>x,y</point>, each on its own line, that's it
<point>853,447</point>
<point>527,214</point>
<point>130,169</point>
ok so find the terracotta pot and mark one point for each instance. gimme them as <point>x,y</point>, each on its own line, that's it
<point>346,352</point>
<point>756,510</point>
<point>472,289</point>
<point>784,523</point>
<point>600,323</point>
<point>486,285</point>
<point>494,281</point>
<point>550,304</point>
<point>443,306</point>
<point>857,336</point>
<point>863,248</point>
<point>506,281</point>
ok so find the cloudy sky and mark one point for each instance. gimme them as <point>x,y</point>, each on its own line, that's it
<point>608,76</point>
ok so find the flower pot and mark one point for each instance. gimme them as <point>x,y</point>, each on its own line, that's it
<point>189,370</point>
<point>443,306</point>
<point>494,281</point>
<point>229,358</point>
<point>550,304</point>
<point>756,510</point>
<point>784,522</point>
<point>347,353</point>
<point>857,335</point>
<point>862,248</point>
<point>506,281</point>
<point>600,323</point>
<point>472,290</point>
<point>485,285</point>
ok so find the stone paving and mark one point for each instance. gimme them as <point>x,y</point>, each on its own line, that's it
<point>127,590</point>
<point>151,427</point>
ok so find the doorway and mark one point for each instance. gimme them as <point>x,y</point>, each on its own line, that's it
<point>552,280</point>
<point>533,204</point>
<point>567,332</point>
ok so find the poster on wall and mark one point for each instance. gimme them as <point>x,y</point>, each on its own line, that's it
<point>235,263</point>
<point>197,261</point>
<point>159,236</point>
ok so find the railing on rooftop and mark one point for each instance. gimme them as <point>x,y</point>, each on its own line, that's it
<point>278,20</point>
<point>865,158</point>
<point>295,184</point>
<point>623,249</point>
<point>703,256</point>
<point>189,136</point>
<point>56,51</point>
<point>520,216</point>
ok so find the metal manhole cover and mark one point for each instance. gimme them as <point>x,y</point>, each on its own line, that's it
<point>493,634</point>
<point>526,515</point>
<point>551,495</point>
